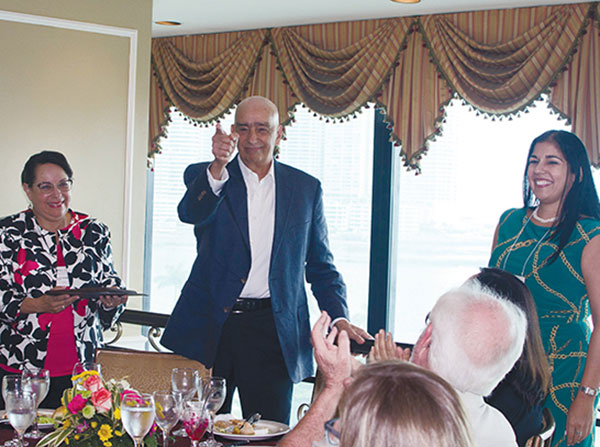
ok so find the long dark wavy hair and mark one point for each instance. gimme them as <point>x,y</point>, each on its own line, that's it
<point>531,374</point>
<point>581,200</point>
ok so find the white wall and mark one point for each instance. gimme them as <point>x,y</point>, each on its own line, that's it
<point>74,77</point>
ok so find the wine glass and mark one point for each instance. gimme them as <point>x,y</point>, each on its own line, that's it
<point>213,391</point>
<point>185,382</point>
<point>20,410</point>
<point>167,411</point>
<point>195,420</point>
<point>137,414</point>
<point>87,366</point>
<point>12,383</point>
<point>38,384</point>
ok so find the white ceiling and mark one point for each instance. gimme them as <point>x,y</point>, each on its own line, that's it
<point>202,16</point>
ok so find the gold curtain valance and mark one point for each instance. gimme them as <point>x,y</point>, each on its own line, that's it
<point>204,90</point>
<point>338,79</point>
<point>499,61</point>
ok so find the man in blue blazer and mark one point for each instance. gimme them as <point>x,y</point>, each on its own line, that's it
<point>260,229</point>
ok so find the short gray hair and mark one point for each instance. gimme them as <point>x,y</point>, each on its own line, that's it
<point>477,338</point>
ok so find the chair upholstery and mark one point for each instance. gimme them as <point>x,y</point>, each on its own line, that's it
<point>145,371</point>
<point>544,437</point>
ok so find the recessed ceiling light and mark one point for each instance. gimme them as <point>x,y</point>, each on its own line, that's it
<point>168,22</point>
<point>406,1</point>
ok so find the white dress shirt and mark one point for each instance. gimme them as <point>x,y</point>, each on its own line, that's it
<point>261,226</point>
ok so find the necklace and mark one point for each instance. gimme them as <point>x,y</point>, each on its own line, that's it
<point>522,275</point>
<point>539,219</point>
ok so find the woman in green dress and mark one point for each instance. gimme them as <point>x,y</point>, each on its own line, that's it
<point>553,244</point>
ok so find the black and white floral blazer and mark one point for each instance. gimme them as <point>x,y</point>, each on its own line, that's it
<point>28,269</point>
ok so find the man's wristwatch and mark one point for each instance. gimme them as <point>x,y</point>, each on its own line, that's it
<point>589,391</point>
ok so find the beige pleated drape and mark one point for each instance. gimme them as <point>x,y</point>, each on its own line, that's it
<point>498,61</point>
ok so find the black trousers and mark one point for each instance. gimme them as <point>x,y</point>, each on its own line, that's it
<point>249,357</point>
<point>52,400</point>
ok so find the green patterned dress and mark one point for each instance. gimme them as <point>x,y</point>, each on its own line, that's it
<point>524,248</point>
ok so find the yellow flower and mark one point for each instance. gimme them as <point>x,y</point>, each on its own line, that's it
<point>105,433</point>
<point>118,433</point>
<point>94,424</point>
<point>117,414</point>
<point>77,437</point>
<point>66,423</point>
<point>159,410</point>
<point>108,444</point>
<point>67,441</point>
<point>84,375</point>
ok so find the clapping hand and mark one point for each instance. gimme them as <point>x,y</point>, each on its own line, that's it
<point>335,361</point>
<point>385,348</point>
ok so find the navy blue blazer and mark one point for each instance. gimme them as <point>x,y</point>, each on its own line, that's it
<point>300,247</point>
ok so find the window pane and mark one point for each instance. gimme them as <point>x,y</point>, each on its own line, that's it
<point>173,244</point>
<point>447,215</point>
<point>341,156</point>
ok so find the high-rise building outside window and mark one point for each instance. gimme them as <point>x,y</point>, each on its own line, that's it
<point>446,217</point>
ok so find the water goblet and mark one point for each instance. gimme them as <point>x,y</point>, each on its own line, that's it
<point>195,420</point>
<point>12,383</point>
<point>38,384</point>
<point>20,410</point>
<point>137,414</point>
<point>213,391</point>
<point>184,381</point>
<point>87,366</point>
<point>167,410</point>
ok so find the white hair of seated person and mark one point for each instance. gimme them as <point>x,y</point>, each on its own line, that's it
<point>477,337</point>
<point>401,404</point>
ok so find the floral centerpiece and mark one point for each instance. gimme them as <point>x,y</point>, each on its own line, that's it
<point>91,415</point>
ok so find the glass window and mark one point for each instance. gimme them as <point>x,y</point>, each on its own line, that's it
<point>173,248</point>
<point>445,217</point>
<point>341,156</point>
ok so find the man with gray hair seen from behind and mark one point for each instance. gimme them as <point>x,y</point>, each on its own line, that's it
<point>472,340</point>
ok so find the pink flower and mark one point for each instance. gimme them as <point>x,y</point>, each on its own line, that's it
<point>102,400</point>
<point>93,383</point>
<point>77,404</point>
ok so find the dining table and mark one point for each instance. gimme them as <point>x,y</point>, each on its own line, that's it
<point>6,433</point>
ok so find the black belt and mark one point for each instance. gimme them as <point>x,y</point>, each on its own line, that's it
<point>243,305</point>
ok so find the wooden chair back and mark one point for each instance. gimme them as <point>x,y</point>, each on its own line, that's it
<point>144,370</point>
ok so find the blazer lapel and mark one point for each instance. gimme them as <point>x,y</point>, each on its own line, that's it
<point>283,201</point>
<point>237,200</point>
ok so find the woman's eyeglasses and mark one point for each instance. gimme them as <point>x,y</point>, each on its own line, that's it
<point>331,434</point>
<point>62,186</point>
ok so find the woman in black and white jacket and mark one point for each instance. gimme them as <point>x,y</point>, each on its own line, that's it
<point>49,247</point>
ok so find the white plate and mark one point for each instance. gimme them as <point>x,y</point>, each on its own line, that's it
<point>47,412</point>
<point>275,429</point>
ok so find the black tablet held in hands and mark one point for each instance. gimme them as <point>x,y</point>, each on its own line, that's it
<point>364,348</point>
<point>91,292</point>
